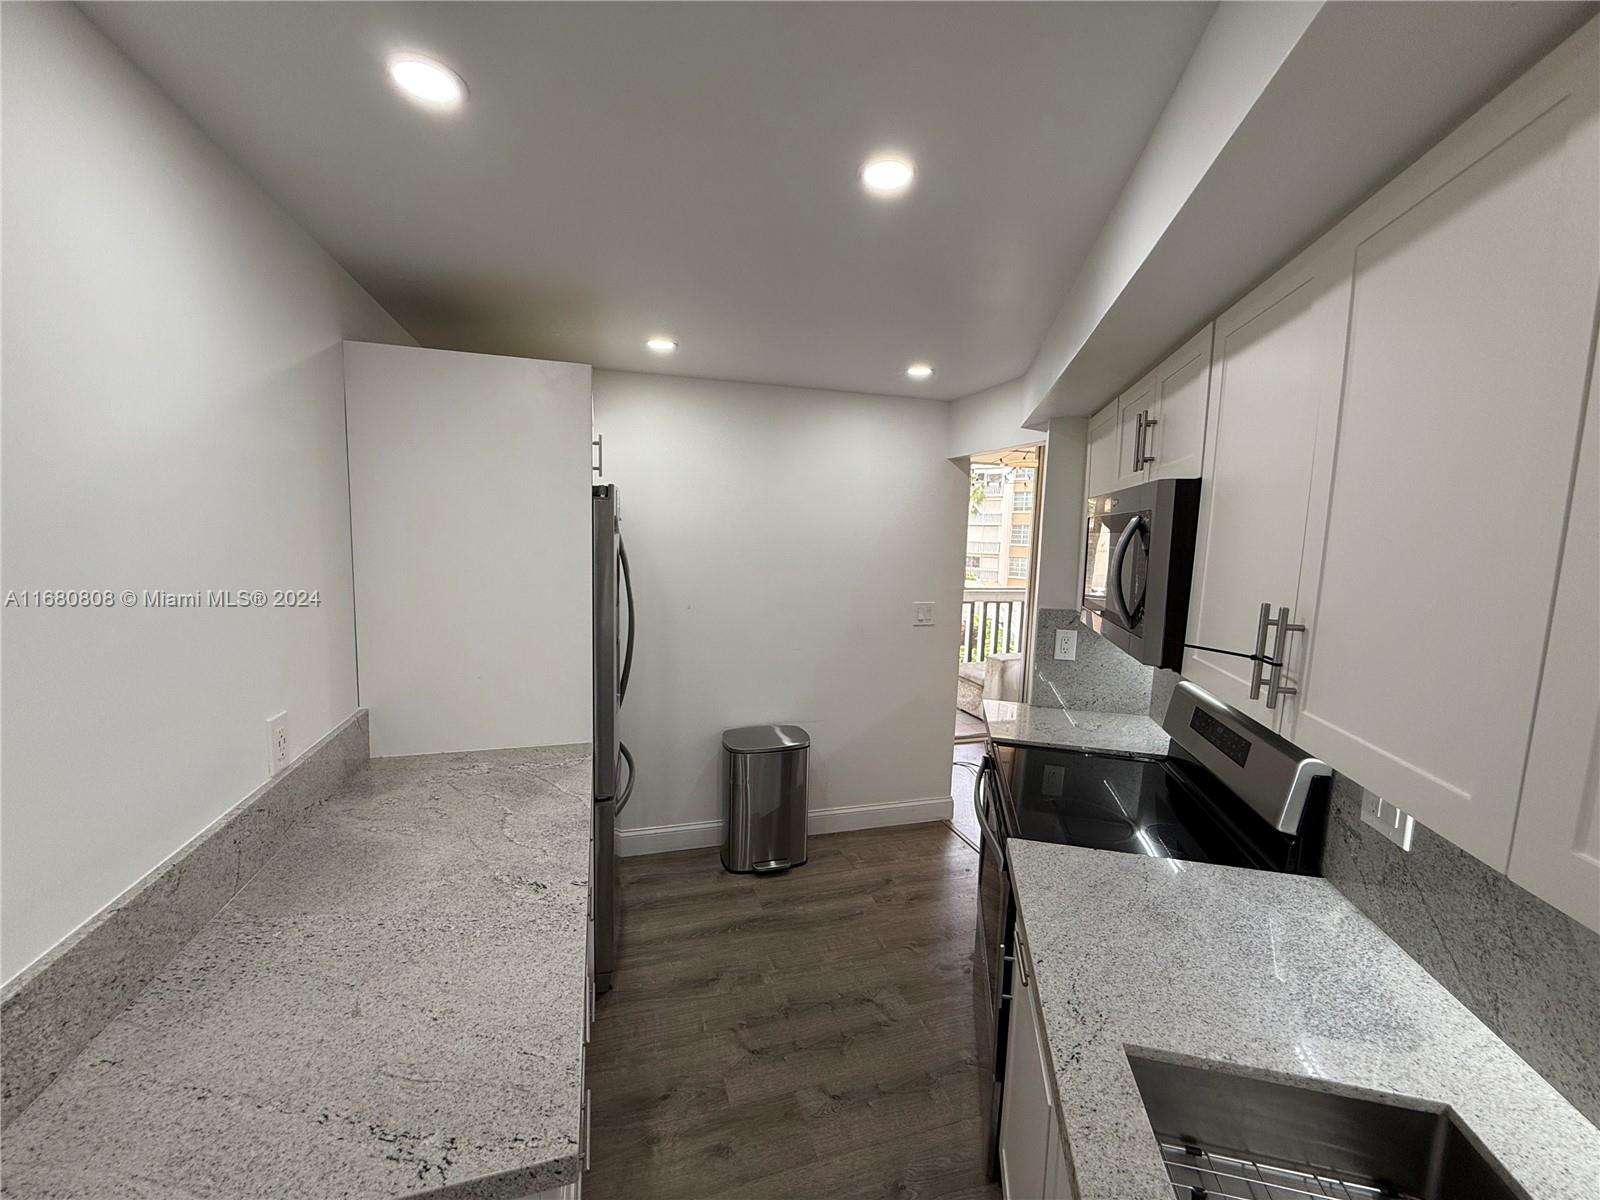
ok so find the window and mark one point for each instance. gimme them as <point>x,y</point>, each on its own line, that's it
<point>1022,502</point>
<point>1024,475</point>
<point>972,562</point>
<point>1021,535</point>
<point>1019,567</point>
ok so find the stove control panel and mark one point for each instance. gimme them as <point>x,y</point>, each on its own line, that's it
<point>1232,743</point>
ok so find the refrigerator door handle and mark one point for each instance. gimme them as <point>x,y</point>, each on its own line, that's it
<point>627,587</point>
<point>627,791</point>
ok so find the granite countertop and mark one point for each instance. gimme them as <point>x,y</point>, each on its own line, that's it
<point>1272,975</point>
<point>1012,724</point>
<point>395,1003</point>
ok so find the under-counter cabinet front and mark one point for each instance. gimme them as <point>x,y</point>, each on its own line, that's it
<point>1032,1159</point>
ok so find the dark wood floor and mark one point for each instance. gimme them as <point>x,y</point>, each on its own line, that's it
<point>797,1036</point>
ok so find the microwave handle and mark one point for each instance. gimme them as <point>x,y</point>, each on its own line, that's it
<point>1119,602</point>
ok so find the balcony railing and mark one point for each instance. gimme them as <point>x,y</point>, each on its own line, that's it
<point>992,622</point>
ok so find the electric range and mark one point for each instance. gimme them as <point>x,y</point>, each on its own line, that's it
<point>1230,791</point>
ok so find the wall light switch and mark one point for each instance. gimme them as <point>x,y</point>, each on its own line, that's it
<point>1067,644</point>
<point>922,612</point>
<point>1397,826</point>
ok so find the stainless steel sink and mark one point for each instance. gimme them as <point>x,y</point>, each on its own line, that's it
<point>1225,1135</point>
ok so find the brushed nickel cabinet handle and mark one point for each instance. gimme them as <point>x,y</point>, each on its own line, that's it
<point>1138,442</point>
<point>1145,458</point>
<point>1275,685</point>
<point>1256,667</point>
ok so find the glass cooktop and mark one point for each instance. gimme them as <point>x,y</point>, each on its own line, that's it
<point>1134,806</point>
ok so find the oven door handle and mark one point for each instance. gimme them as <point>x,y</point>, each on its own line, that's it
<point>1114,593</point>
<point>979,807</point>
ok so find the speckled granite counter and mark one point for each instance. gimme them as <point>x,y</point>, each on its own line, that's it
<point>392,1005</point>
<point>1073,729</point>
<point>1274,975</point>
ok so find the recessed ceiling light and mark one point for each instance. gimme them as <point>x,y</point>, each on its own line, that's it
<point>427,82</point>
<point>887,176</point>
<point>660,345</point>
<point>919,371</point>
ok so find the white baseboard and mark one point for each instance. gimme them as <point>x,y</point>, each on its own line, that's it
<point>658,839</point>
<point>693,835</point>
<point>872,816</point>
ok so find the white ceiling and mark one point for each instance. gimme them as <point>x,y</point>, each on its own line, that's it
<point>626,169</point>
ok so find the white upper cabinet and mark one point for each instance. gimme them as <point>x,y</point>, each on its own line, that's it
<point>1427,585</point>
<point>1102,472</point>
<point>1133,410</point>
<point>1556,852</point>
<point>1179,392</point>
<point>1157,428</point>
<point>1275,386</point>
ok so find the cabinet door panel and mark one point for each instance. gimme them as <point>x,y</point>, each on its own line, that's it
<point>1136,402</point>
<point>1025,1103</point>
<point>1469,336</point>
<point>1276,371</point>
<point>1179,395</point>
<point>1103,441</point>
<point>1556,851</point>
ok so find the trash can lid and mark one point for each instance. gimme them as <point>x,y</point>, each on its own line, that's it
<point>759,739</point>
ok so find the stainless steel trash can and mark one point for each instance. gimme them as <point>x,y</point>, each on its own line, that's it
<point>764,797</point>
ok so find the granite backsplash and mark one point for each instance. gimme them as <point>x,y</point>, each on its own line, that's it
<point>1102,678</point>
<point>1530,972</point>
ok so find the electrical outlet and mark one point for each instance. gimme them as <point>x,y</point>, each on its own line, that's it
<point>1067,644</point>
<point>277,743</point>
<point>922,613</point>
<point>1397,826</point>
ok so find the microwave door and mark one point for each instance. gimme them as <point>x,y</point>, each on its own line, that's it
<point>1099,572</point>
<point>1127,572</point>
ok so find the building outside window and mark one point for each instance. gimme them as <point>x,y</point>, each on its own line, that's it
<point>1021,534</point>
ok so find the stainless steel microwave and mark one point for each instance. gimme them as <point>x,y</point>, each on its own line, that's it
<point>1138,564</point>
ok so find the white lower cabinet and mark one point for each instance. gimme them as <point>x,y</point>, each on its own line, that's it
<point>1032,1159</point>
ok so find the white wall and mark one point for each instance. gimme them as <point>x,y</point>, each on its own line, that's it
<point>778,539</point>
<point>1061,519</point>
<point>471,517</point>
<point>173,420</point>
<point>1241,50</point>
<point>990,420</point>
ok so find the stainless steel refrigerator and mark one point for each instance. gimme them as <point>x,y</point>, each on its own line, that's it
<point>613,765</point>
